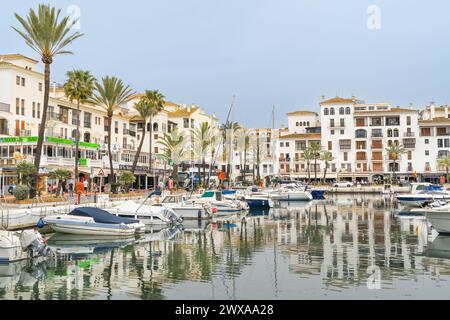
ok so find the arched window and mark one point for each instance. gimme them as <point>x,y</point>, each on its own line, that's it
<point>297,124</point>
<point>390,143</point>
<point>332,111</point>
<point>396,142</point>
<point>389,133</point>
<point>396,133</point>
<point>341,111</point>
<point>348,111</point>
<point>155,127</point>
<point>304,124</point>
<point>326,111</point>
<point>307,124</point>
<point>361,134</point>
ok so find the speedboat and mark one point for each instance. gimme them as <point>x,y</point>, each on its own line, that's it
<point>184,208</point>
<point>147,214</point>
<point>258,199</point>
<point>292,193</point>
<point>422,194</point>
<point>439,218</point>
<point>16,246</point>
<point>94,221</point>
<point>217,200</point>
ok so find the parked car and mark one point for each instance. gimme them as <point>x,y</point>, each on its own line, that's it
<point>343,184</point>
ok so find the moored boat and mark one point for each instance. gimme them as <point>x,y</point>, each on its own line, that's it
<point>94,221</point>
<point>190,211</point>
<point>422,194</point>
<point>16,246</point>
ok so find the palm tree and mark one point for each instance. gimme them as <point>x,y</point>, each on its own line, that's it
<point>307,156</point>
<point>110,94</point>
<point>395,151</point>
<point>202,142</point>
<point>233,127</point>
<point>316,152</point>
<point>444,162</point>
<point>156,102</point>
<point>244,136</point>
<point>327,157</point>
<point>79,87</point>
<point>48,35</point>
<point>174,143</point>
<point>143,107</point>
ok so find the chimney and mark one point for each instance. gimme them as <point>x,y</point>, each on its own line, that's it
<point>432,110</point>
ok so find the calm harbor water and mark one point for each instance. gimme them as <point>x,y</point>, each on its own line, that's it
<point>348,247</point>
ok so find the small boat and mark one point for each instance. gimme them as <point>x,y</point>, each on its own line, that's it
<point>16,246</point>
<point>291,193</point>
<point>218,200</point>
<point>94,221</point>
<point>182,207</point>
<point>147,214</point>
<point>259,200</point>
<point>422,194</point>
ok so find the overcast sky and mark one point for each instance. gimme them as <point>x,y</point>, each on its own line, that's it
<point>286,53</point>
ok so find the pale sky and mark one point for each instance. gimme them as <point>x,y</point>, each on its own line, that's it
<point>286,53</point>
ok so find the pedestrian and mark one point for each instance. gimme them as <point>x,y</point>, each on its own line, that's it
<point>79,188</point>
<point>86,185</point>
<point>71,188</point>
<point>170,185</point>
<point>161,185</point>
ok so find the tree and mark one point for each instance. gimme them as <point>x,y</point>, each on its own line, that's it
<point>395,151</point>
<point>27,175</point>
<point>143,109</point>
<point>316,152</point>
<point>110,94</point>
<point>444,162</point>
<point>307,156</point>
<point>47,35</point>
<point>127,178</point>
<point>59,175</point>
<point>243,147</point>
<point>327,157</point>
<point>202,142</point>
<point>156,102</point>
<point>228,131</point>
<point>173,144</point>
<point>79,87</point>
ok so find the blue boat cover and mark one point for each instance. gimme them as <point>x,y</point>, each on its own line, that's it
<point>228,192</point>
<point>101,216</point>
<point>434,187</point>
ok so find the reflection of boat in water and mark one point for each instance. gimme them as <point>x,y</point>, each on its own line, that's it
<point>162,235</point>
<point>439,248</point>
<point>295,205</point>
<point>86,244</point>
<point>258,212</point>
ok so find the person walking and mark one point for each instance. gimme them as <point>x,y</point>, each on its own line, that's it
<point>86,186</point>
<point>170,185</point>
<point>79,188</point>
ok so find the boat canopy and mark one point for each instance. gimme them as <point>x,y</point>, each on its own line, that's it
<point>101,216</point>
<point>228,192</point>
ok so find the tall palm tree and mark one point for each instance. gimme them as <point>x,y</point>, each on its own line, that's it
<point>110,94</point>
<point>316,152</point>
<point>327,157</point>
<point>395,151</point>
<point>79,87</point>
<point>174,149</point>
<point>244,137</point>
<point>226,127</point>
<point>48,36</point>
<point>202,143</point>
<point>307,156</point>
<point>444,162</point>
<point>156,101</point>
<point>143,107</point>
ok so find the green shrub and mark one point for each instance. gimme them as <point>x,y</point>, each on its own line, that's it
<point>21,192</point>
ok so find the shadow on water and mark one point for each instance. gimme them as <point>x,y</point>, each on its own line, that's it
<point>337,248</point>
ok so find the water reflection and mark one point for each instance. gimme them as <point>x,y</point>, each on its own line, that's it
<point>339,248</point>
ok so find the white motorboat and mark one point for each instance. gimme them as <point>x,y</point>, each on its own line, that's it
<point>291,193</point>
<point>439,218</point>
<point>422,194</point>
<point>147,214</point>
<point>16,246</point>
<point>94,221</point>
<point>217,200</point>
<point>182,207</point>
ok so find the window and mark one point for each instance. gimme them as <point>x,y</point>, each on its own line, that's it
<point>342,132</point>
<point>409,155</point>
<point>361,134</point>
<point>427,141</point>
<point>408,120</point>
<point>300,145</point>
<point>360,122</point>
<point>326,111</point>
<point>282,144</point>
<point>377,133</point>
<point>33,111</point>
<point>332,112</point>
<point>331,123</point>
<point>330,145</point>
<point>23,82</point>
<point>18,80</point>
<point>116,127</point>
<point>345,156</point>
<point>22,105</point>
<point>87,119</point>
<point>345,144</point>
<point>186,123</point>
<point>396,133</point>
<point>18,106</point>
<point>287,144</point>
<point>40,86</point>
<point>427,152</point>
<point>332,132</point>
<point>440,143</point>
<point>341,111</point>
<point>377,122</point>
<point>342,122</point>
<point>39,110</point>
<point>425,132</point>
<point>348,110</point>
<point>156,127</point>
<point>392,121</point>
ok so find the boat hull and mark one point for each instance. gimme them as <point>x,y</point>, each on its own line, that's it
<point>440,220</point>
<point>91,229</point>
<point>293,197</point>
<point>259,203</point>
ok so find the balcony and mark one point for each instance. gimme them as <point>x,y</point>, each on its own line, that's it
<point>128,147</point>
<point>25,133</point>
<point>409,135</point>
<point>4,107</point>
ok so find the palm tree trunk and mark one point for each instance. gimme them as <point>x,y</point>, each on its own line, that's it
<point>315,170</point>
<point>309,172</point>
<point>151,146</point>
<point>40,143</point>
<point>175,175</point>
<point>446,178</point>
<point>138,153</point>
<point>111,168</point>
<point>325,173</point>
<point>204,172</point>
<point>244,174</point>
<point>77,142</point>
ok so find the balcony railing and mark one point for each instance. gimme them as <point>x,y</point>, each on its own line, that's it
<point>409,134</point>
